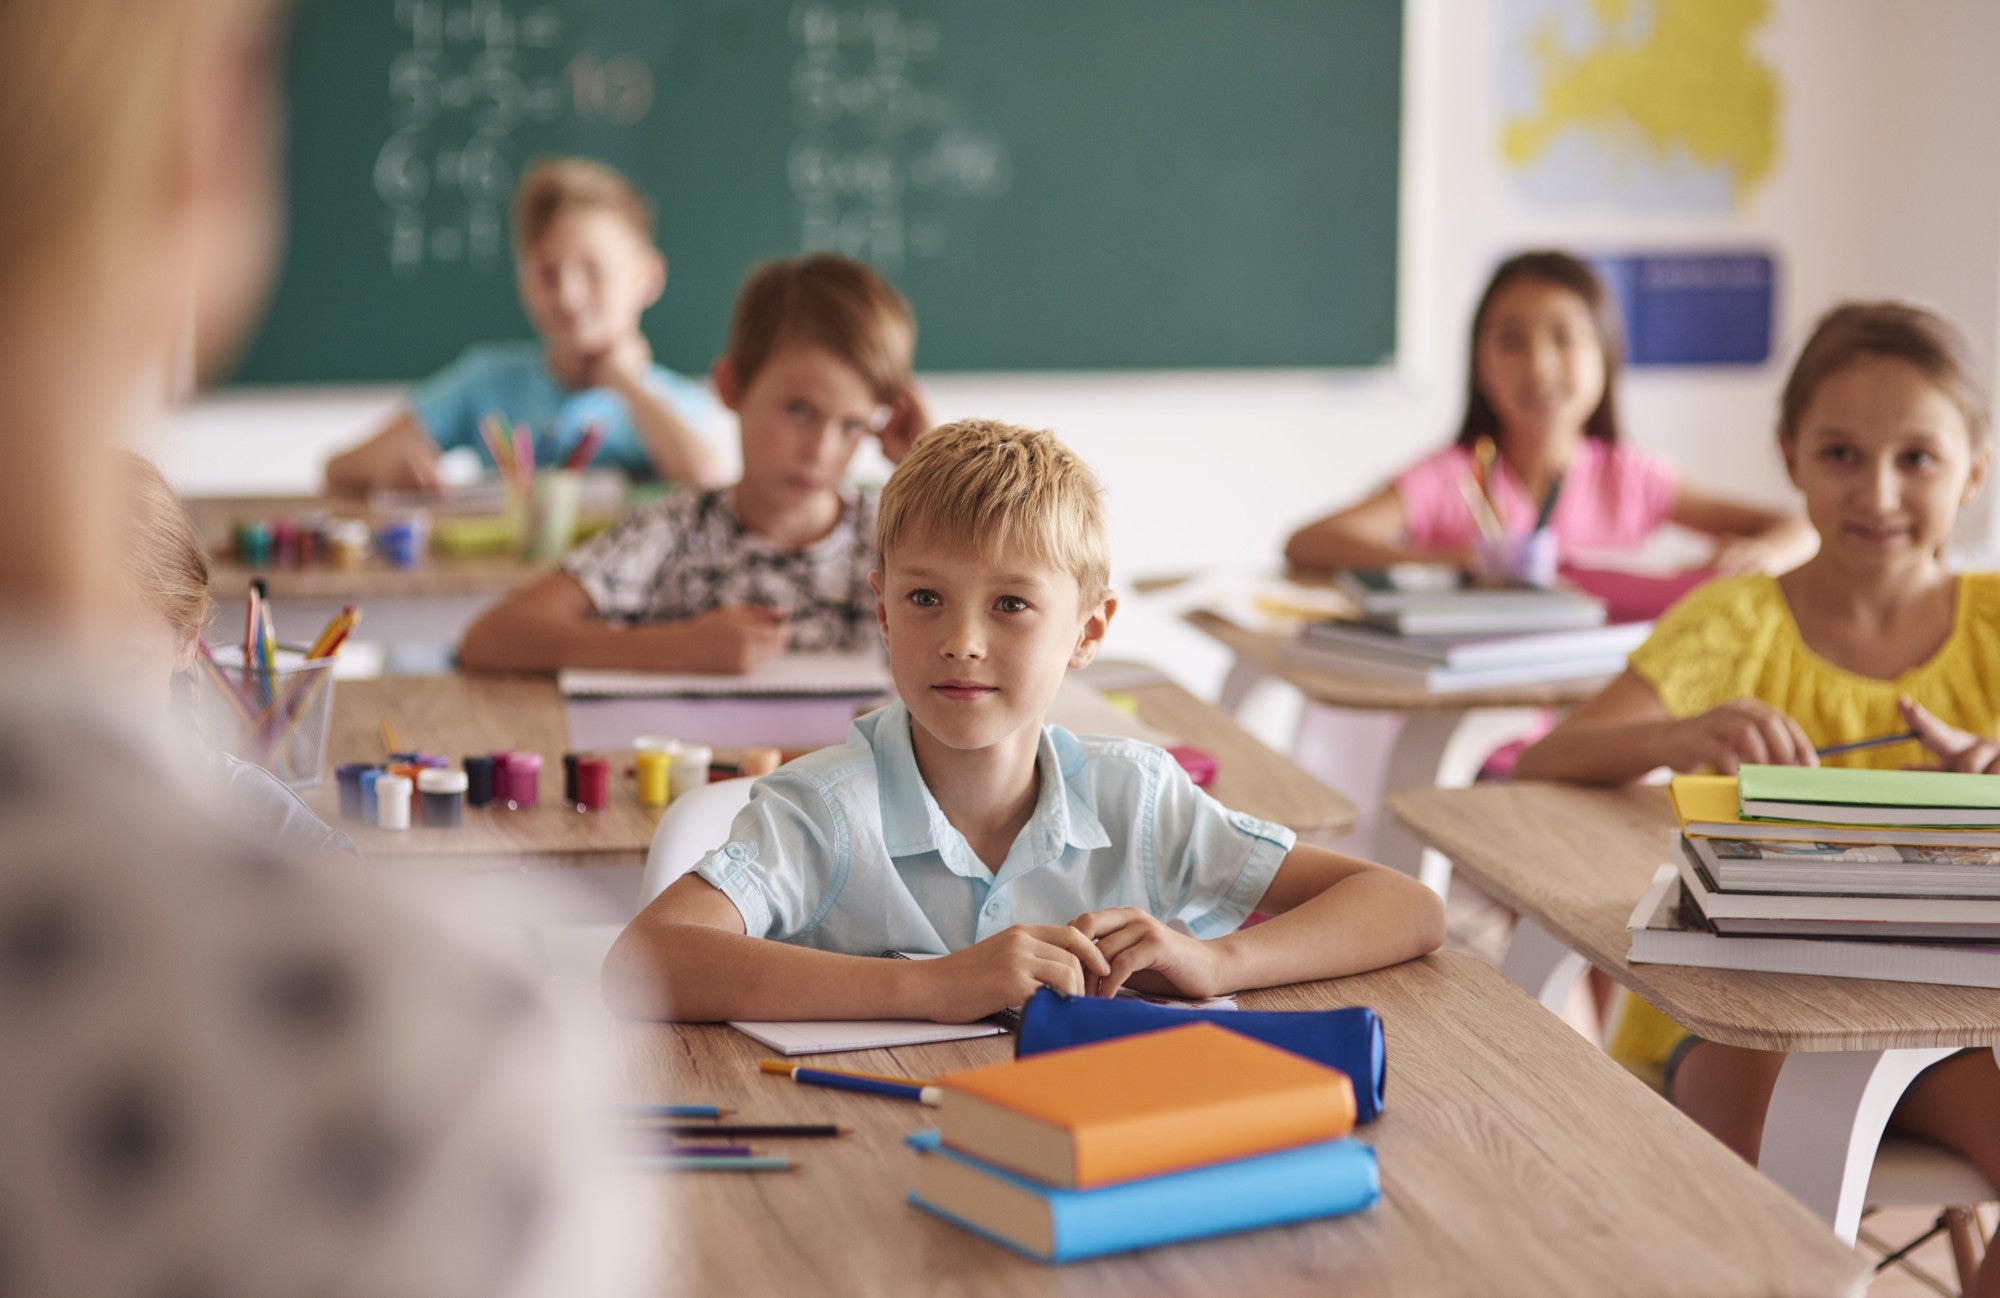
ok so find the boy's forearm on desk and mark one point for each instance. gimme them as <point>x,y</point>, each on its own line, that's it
<point>1366,921</point>
<point>696,974</point>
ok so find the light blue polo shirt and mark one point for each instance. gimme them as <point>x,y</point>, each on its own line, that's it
<point>512,380</point>
<point>846,850</point>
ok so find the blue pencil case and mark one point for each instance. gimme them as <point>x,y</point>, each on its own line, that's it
<point>1348,1039</point>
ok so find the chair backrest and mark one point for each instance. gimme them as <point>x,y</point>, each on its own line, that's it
<point>693,825</point>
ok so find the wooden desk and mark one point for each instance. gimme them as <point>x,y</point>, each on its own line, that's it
<point>430,604</point>
<point>1515,1160</point>
<point>1444,740</point>
<point>456,715</point>
<point>1573,863</point>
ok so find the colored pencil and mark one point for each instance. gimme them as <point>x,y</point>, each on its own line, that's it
<point>676,1111</point>
<point>524,456</point>
<point>1483,516</point>
<point>1549,503</point>
<point>682,1130</point>
<point>784,1067</point>
<point>929,1095</point>
<point>586,448</point>
<point>706,1150</point>
<point>335,630</point>
<point>674,1163</point>
<point>390,743</point>
<point>1879,741</point>
<point>231,690</point>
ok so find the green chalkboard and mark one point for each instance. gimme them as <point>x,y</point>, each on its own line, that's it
<point>1055,184</point>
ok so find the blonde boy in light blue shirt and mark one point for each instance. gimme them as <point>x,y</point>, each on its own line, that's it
<point>957,822</point>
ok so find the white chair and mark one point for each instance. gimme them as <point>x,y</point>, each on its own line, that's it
<point>1907,1174</point>
<point>693,825</point>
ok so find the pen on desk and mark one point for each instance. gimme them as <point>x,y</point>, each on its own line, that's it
<point>784,1067</point>
<point>682,1131</point>
<point>899,1090</point>
<point>675,1111</point>
<point>1879,741</point>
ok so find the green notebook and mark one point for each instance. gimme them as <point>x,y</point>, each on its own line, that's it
<point>1848,796</point>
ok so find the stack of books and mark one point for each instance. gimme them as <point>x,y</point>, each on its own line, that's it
<point>1445,637</point>
<point>1143,1140</point>
<point>1851,873</point>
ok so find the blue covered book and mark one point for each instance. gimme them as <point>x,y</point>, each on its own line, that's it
<point>1051,1225</point>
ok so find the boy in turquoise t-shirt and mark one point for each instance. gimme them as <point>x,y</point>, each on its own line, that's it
<point>587,271</point>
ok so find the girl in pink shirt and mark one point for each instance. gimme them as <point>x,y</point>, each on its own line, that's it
<point>1541,408</point>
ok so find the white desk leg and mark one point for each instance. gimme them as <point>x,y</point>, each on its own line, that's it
<point>1541,966</point>
<point>1236,686</point>
<point>1825,1124</point>
<point>1443,749</point>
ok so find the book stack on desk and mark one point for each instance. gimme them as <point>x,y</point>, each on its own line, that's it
<point>1851,873</point>
<point>1145,1140</point>
<point>1445,637</point>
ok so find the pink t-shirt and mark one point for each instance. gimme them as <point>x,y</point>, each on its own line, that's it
<point>1613,497</point>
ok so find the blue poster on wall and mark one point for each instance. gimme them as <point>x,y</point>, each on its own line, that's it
<point>1705,308</point>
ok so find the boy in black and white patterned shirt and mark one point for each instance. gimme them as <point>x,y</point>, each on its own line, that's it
<point>818,358</point>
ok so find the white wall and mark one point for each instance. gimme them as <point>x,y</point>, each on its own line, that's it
<point>1886,184</point>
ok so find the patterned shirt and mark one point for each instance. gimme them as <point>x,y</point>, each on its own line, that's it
<point>689,553</point>
<point>223,1071</point>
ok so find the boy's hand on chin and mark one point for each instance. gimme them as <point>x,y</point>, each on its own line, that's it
<point>1006,969</point>
<point>1150,955</point>
<point>624,364</point>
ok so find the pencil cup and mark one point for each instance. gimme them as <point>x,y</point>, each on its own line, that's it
<point>276,719</point>
<point>1528,560</point>
<point>552,520</point>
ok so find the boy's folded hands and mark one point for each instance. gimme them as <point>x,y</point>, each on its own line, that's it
<point>1150,955</point>
<point>1004,970</point>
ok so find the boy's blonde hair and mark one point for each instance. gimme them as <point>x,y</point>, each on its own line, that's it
<point>988,485</point>
<point>165,567</point>
<point>1895,330</point>
<point>829,301</point>
<point>554,187</point>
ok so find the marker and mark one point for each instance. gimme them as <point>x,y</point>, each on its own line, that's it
<point>899,1090</point>
<point>1880,741</point>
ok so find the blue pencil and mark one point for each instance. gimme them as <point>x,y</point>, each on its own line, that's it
<point>680,1163</point>
<point>868,1085</point>
<point>675,1111</point>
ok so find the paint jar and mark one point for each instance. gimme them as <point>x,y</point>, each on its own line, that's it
<point>349,776</point>
<point>404,539</point>
<point>392,802</point>
<point>569,779</point>
<point>690,769</point>
<point>593,783</point>
<point>285,543</point>
<point>369,805</point>
<point>655,770</point>
<point>655,744</point>
<point>346,543</point>
<point>761,761</point>
<point>524,779</point>
<point>552,514</point>
<point>443,795</point>
<point>478,781</point>
<point>253,543</point>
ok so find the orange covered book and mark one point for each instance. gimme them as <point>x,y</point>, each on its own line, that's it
<point>1142,1106</point>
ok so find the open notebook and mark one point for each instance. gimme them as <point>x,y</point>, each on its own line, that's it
<point>798,675</point>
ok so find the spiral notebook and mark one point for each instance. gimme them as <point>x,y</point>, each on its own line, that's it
<point>797,675</point>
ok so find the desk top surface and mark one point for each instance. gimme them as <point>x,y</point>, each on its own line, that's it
<point>1576,861</point>
<point>374,578</point>
<point>456,715</point>
<point>1515,1160</point>
<point>1268,652</point>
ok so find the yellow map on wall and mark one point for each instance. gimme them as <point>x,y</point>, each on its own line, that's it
<point>1640,103</point>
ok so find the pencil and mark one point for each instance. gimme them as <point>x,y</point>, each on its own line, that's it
<point>896,1090</point>
<point>676,1111</point>
<point>676,1163</point>
<point>783,1068</point>
<point>1879,741</point>
<point>391,744</point>
<point>681,1131</point>
<point>1549,502</point>
<point>1483,516</point>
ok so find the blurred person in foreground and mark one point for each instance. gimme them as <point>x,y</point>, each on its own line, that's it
<point>222,1072</point>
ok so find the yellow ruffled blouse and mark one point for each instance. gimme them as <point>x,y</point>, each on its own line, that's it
<point>1735,638</point>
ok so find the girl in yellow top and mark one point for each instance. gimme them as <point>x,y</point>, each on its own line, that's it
<point>1884,431</point>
